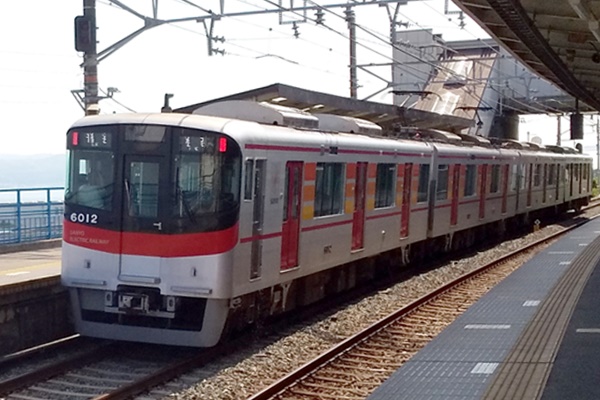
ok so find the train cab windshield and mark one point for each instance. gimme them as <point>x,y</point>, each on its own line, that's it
<point>90,180</point>
<point>146,178</point>
<point>206,182</point>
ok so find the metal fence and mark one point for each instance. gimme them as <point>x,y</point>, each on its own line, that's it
<point>32,214</point>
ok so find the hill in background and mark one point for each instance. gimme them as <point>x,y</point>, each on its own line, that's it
<point>32,171</point>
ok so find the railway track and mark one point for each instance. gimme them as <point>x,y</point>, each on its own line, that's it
<point>358,365</point>
<point>349,370</point>
<point>109,371</point>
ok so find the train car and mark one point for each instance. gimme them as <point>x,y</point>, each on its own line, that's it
<point>181,227</point>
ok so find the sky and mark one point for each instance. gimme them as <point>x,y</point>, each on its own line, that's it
<point>39,66</point>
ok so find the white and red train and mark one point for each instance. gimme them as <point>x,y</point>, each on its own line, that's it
<point>179,227</point>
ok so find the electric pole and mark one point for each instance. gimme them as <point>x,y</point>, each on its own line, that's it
<point>598,142</point>
<point>351,19</point>
<point>85,41</point>
<point>558,117</point>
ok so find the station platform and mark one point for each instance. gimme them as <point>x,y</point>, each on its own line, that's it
<point>536,335</point>
<point>30,261</point>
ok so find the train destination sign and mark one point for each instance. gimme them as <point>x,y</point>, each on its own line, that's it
<point>197,144</point>
<point>92,139</point>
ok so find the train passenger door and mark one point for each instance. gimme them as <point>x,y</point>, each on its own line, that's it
<point>558,182</point>
<point>529,184</point>
<point>358,221</point>
<point>569,177</point>
<point>258,206</point>
<point>290,232</point>
<point>406,194</point>
<point>519,179</point>
<point>545,183</point>
<point>505,177</point>
<point>579,171</point>
<point>143,212</point>
<point>455,194</point>
<point>482,191</point>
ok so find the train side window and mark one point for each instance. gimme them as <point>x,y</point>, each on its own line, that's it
<point>442,182</point>
<point>495,183</point>
<point>384,185</point>
<point>248,178</point>
<point>329,185</point>
<point>423,183</point>
<point>470,179</point>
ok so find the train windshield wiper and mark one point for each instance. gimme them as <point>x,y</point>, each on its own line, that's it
<point>128,195</point>
<point>183,201</point>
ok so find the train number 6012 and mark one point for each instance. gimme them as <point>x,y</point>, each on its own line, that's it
<point>84,218</point>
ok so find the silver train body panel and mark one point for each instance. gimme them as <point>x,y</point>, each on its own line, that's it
<point>324,242</point>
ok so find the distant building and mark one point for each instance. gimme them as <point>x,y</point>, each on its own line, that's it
<point>473,79</point>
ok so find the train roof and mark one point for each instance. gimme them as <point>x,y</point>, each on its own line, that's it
<point>216,116</point>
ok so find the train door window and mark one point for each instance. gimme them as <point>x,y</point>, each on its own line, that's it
<point>505,179</point>
<point>248,178</point>
<point>384,185</point>
<point>423,183</point>
<point>470,180</point>
<point>514,177</point>
<point>537,175</point>
<point>551,174</point>
<point>580,177</point>
<point>530,174</point>
<point>495,183</point>
<point>517,180</point>
<point>143,189</point>
<point>329,185</point>
<point>258,190</point>
<point>569,178</point>
<point>442,183</point>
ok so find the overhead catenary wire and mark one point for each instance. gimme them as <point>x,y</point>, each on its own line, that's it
<point>331,29</point>
<point>380,38</point>
<point>543,108</point>
<point>255,53</point>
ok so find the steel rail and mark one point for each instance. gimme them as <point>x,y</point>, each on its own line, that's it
<point>320,361</point>
<point>172,371</point>
<point>31,378</point>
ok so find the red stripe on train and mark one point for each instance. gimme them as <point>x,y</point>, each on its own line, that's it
<point>149,244</point>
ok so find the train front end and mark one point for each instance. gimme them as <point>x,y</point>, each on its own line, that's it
<point>151,222</point>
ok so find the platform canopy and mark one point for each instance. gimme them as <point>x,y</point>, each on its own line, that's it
<point>387,116</point>
<point>558,39</point>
